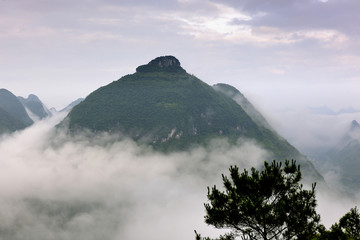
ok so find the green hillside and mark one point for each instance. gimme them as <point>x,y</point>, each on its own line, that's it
<point>239,98</point>
<point>162,105</point>
<point>8,123</point>
<point>13,115</point>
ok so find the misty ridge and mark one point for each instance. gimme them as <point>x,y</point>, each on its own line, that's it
<point>101,182</point>
<point>331,142</point>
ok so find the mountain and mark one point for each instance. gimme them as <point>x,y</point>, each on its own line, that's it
<point>324,110</point>
<point>8,123</point>
<point>13,114</point>
<point>36,107</point>
<point>238,97</point>
<point>355,126</point>
<point>345,156</point>
<point>72,104</point>
<point>164,106</point>
<point>16,112</point>
<point>348,110</point>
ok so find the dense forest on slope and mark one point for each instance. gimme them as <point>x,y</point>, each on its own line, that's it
<point>164,106</point>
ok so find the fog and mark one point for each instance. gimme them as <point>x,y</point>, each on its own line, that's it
<point>52,187</point>
<point>309,131</point>
<point>55,188</point>
<point>314,134</point>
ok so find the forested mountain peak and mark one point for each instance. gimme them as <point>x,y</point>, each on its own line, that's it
<point>163,106</point>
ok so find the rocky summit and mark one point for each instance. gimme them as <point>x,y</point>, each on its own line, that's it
<point>165,61</point>
<point>162,64</point>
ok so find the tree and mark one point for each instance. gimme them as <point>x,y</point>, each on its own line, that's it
<point>348,228</point>
<point>335,233</point>
<point>267,204</point>
<point>350,223</point>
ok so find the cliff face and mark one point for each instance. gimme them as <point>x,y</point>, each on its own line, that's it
<point>166,61</point>
<point>162,64</point>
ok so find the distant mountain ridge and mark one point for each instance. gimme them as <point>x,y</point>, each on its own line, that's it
<point>34,104</point>
<point>16,112</point>
<point>13,114</point>
<point>345,157</point>
<point>14,107</point>
<point>72,104</point>
<point>164,106</point>
<point>324,110</point>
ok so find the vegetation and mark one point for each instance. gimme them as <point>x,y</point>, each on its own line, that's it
<point>238,97</point>
<point>162,64</point>
<point>151,104</point>
<point>13,115</point>
<point>348,228</point>
<point>164,106</point>
<point>8,123</point>
<point>272,204</point>
<point>10,104</point>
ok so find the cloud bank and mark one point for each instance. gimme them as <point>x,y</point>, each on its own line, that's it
<point>53,188</point>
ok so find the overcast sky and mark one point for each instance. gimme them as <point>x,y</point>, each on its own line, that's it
<point>279,53</point>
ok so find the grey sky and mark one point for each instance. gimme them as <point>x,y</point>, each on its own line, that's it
<point>282,54</point>
<point>278,53</point>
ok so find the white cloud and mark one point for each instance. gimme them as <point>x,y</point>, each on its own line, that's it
<point>217,25</point>
<point>276,71</point>
<point>231,25</point>
<point>103,21</point>
<point>331,37</point>
<point>55,188</point>
<point>351,61</point>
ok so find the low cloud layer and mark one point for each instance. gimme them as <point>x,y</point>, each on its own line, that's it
<point>53,188</point>
<point>308,131</point>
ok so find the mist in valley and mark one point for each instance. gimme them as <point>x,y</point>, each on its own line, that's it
<point>284,57</point>
<point>316,135</point>
<point>53,187</point>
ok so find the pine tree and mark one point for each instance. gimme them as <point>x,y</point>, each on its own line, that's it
<point>267,204</point>
<point>350,223</point>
